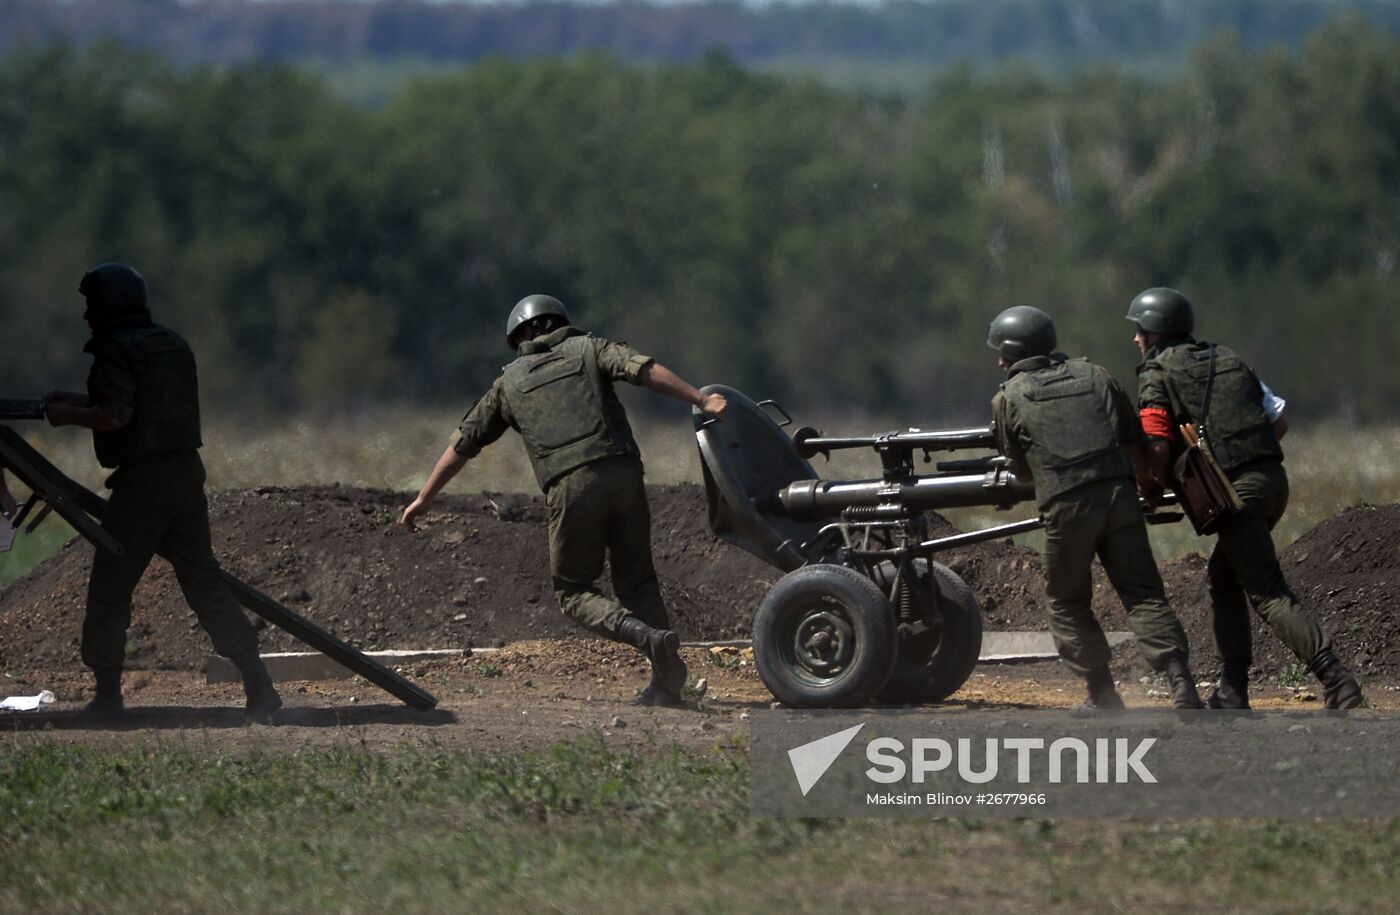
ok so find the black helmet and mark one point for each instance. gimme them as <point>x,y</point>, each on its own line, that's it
<point>1162,311</point>
<point>531,307</point>
<point>1020,332</point>
<point>113,291</point>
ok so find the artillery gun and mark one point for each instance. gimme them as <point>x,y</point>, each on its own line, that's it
<point>864,612</point>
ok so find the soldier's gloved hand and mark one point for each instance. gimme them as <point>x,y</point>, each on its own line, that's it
<point>1150,488</point>
<point>714,405</point>
<point>415,508</point>
<point>58,414</point>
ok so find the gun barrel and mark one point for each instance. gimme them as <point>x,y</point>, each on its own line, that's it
<point>809,500</point>
<point>971,465</point>
<point>810,445</point>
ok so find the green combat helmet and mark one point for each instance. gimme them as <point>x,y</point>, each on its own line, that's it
<point>1020,332</point>
<point>531,307</point>
<point>1162,311</point>
<point>113,291</point>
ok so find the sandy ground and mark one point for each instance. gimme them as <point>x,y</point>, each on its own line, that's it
<point>526,697</point>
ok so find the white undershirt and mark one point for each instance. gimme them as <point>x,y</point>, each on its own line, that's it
<point>1273,404</point>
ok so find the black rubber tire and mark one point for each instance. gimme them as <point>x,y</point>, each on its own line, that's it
<point>936,663</point>
<point>847,667</point>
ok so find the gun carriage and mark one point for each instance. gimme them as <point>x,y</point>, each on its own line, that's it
<point>864,611</point>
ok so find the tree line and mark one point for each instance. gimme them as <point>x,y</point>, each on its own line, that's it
<point>832,248</point>
<point>1058,35</point>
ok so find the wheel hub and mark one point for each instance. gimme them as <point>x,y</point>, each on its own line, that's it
<point>824,641</point>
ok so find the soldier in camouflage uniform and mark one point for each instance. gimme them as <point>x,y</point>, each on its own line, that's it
<point>1243,569</point>
<point>142,405</point>
<point>559,396</point>
<point>1069,426</point>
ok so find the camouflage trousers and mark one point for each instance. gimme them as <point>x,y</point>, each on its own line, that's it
<point>1104,519</point>
<point>1243,571</point>
<point>600,511</point>
<point>159,505</point>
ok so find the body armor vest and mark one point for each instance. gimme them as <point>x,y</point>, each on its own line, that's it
<point>565,410</point>
<point>165,407</point>
<point>1237,428</point>
<point>1064,407</point>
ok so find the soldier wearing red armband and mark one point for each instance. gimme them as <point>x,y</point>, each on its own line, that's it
<point>1245,425</point>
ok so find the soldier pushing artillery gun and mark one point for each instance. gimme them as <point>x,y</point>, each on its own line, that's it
<point>865,612</point>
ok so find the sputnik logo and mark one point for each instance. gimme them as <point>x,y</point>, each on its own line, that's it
<point>811,760</point>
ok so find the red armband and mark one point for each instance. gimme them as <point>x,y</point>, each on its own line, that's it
<point>1156,422</point>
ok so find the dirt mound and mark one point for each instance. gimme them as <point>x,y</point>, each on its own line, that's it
<point>1347,569</point>
<point>477,575</point>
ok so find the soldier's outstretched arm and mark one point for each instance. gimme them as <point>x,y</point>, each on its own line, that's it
<point>447,467</point>
<point>59,414</point>
<point>72,398</point>
<point>662,380</point>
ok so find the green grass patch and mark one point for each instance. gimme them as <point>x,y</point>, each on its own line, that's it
<point>580,827</point>
<point>31,549</point>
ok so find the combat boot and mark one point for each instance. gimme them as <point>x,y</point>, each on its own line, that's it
<point>263,698</point>
<point>1232,692</point>
<point>106,705</point>
<point>662,648</point>
<point>656,693</point>
<point>1103,695</point>
<point>1339,688</point>
<point>1183,684</point>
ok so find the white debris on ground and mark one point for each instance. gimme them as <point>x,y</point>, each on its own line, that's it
<point>27,703</point>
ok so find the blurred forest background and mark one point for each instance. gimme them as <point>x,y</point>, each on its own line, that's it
<point>338,203</point>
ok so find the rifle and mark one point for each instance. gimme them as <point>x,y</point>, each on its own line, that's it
<point>21,408</point>
<point>48,484</point>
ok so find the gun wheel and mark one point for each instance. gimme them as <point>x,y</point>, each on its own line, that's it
<point>824,637</point>
<point>938,652</point>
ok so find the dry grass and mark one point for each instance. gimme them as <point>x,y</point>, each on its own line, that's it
<point>378,449</point>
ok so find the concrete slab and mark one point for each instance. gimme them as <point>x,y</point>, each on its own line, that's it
<point>1001,647</point>
<point>997,648</point>
<point>1022,645</point>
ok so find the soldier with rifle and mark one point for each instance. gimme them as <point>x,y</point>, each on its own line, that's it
<point>1069,426</point>
<point>559,396</point>
<point>1184,381</point>
<point>142,405</point>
